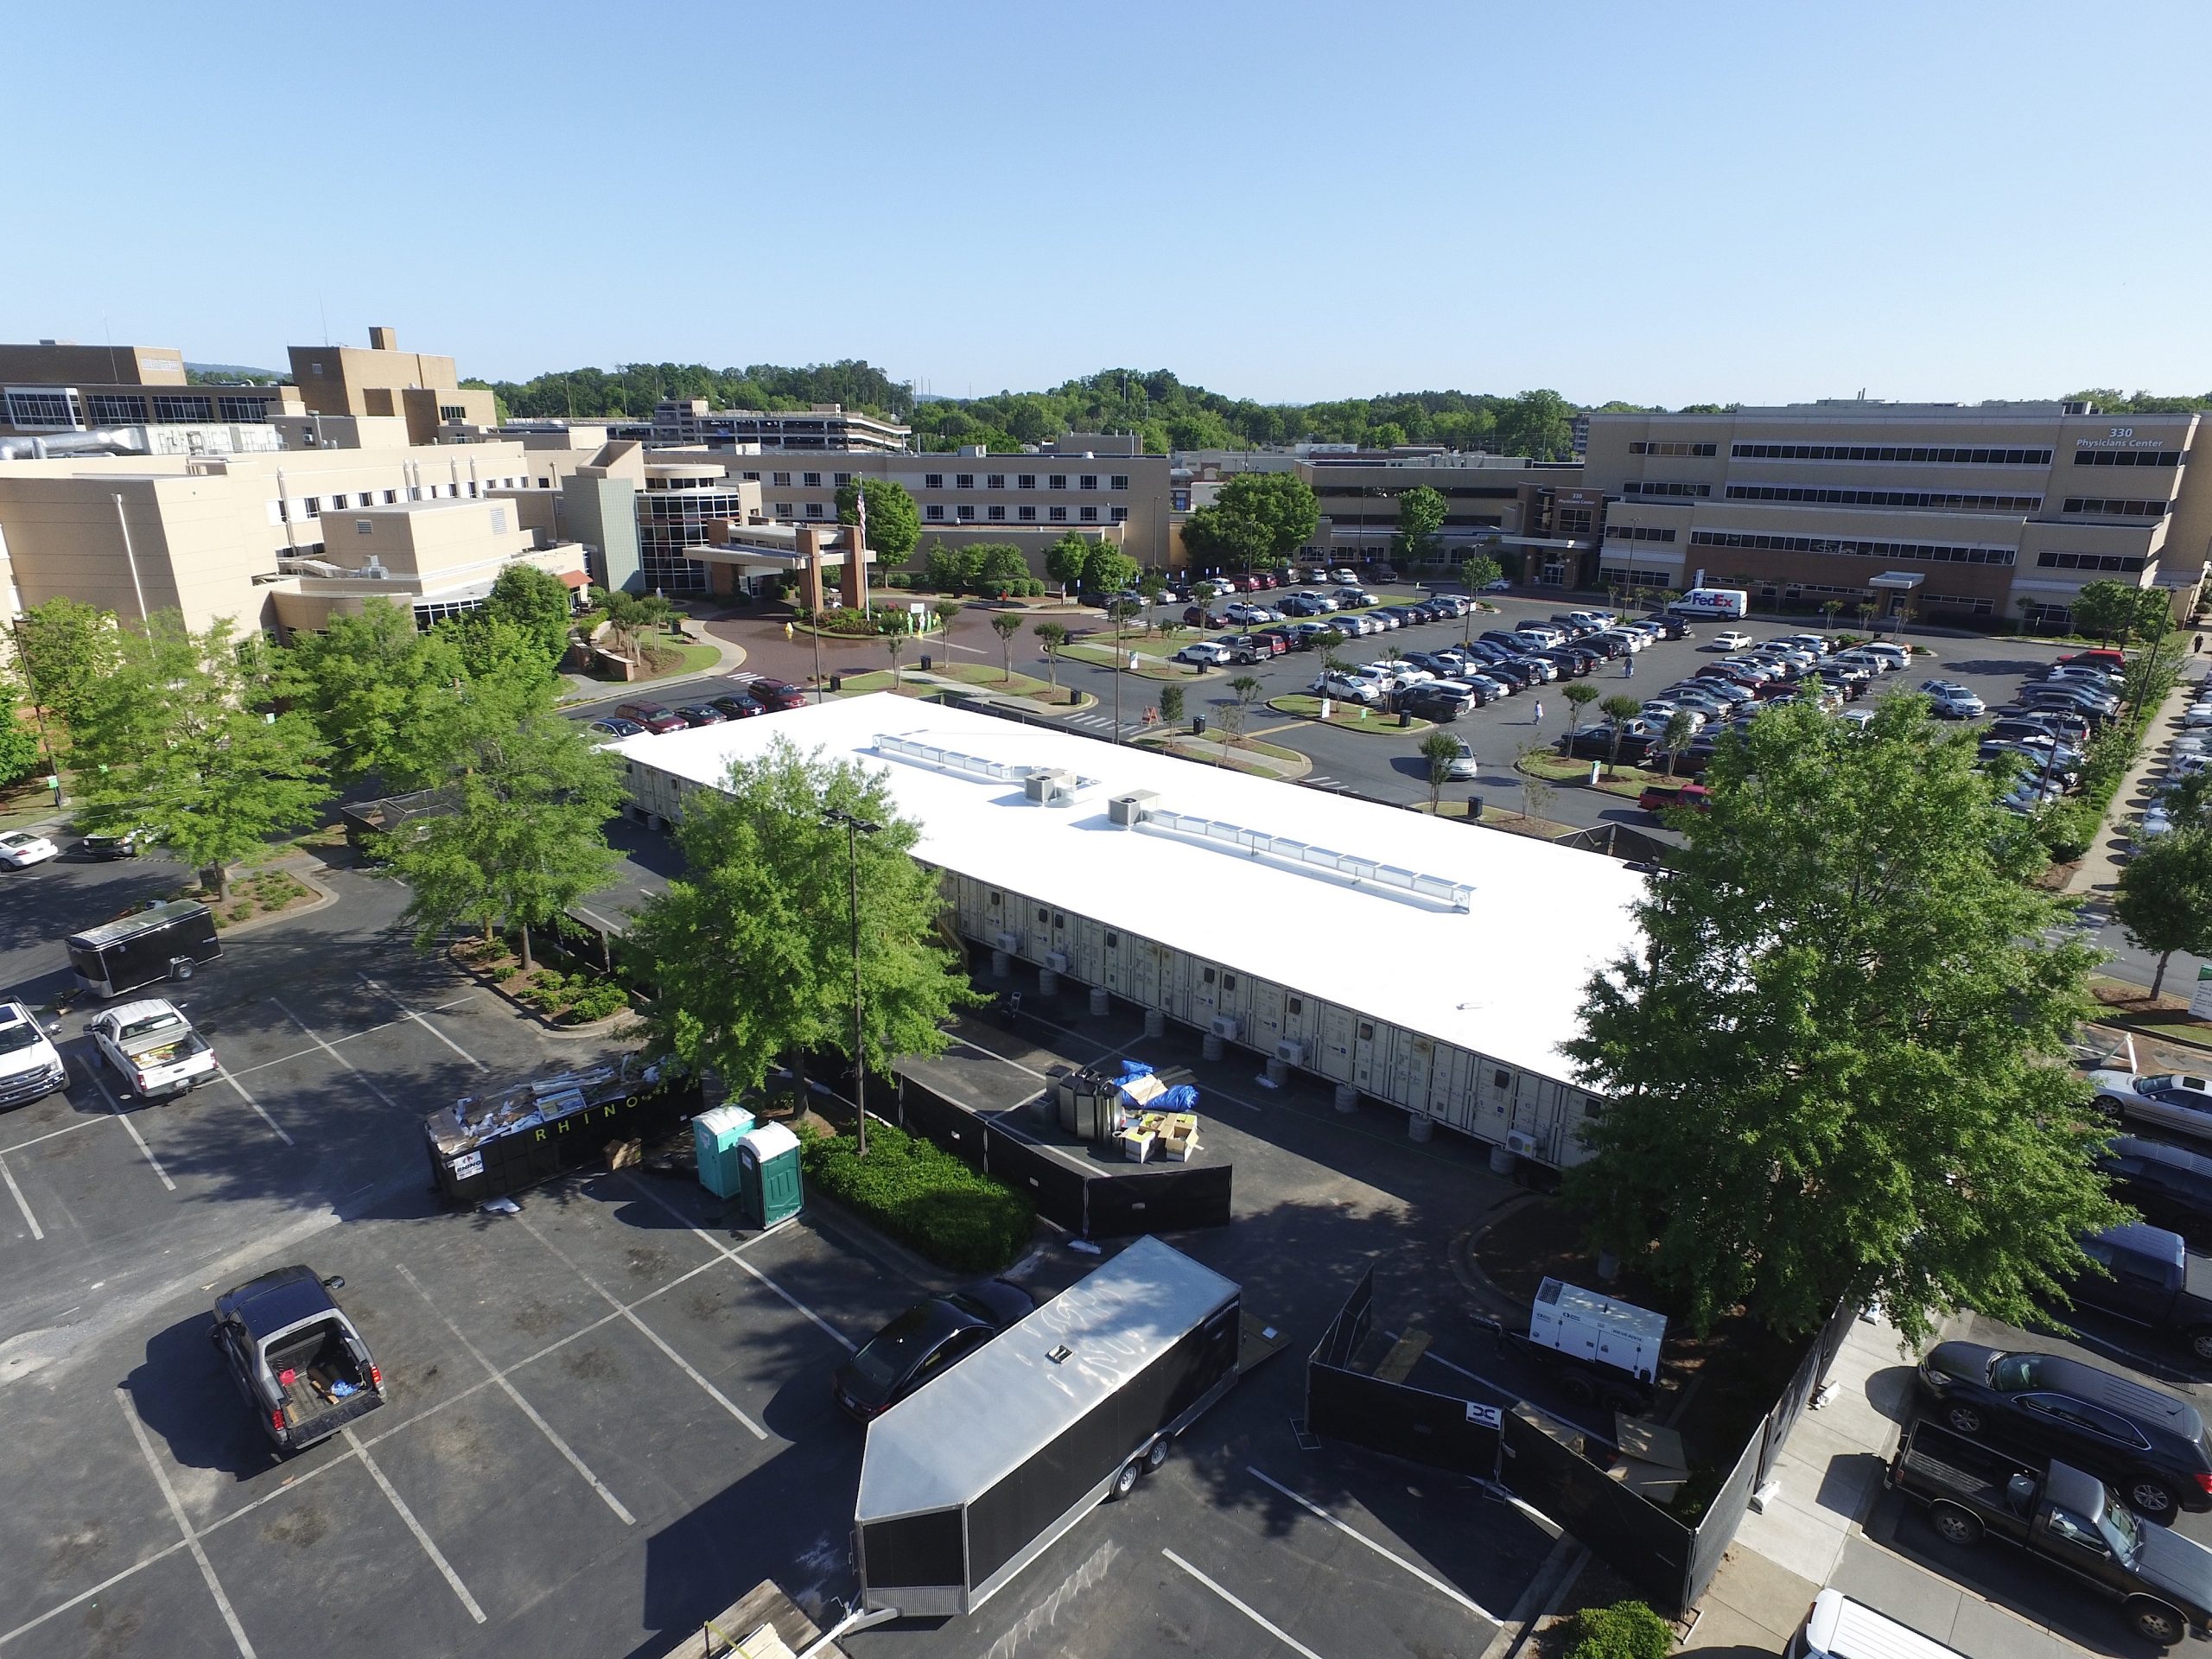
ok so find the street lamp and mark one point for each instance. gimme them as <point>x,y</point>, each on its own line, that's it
<point>856,827</point>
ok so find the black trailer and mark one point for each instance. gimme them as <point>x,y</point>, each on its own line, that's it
<point>163,941</point>
<point>973,1476</point>
<point>485,1145</point>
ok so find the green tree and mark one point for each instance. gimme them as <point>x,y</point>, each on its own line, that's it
<point>1171,705</point>
<point>1618,710</point>
<point>175,736</point>
<point>1580,695</point>
<point>525,839</point>
<point>1053,635</point>
<point>945,610</point>
<point>1836,1064</point>
<point>894,523</point>
<point>1675,736</point>
<point>20,749</point>
<point>2165,900</point>
<point>1067,559</point>
<point>1421,516</point>
<point>537,602</point>
<point>65,648</point>
<point>380,691</point>
<point>1438,751</point>
<point>1001,567</point>
<point>1477,573</point>
<point>2105,610</point>
<point>1387,436</point>
<point>1109,571</point>
<point>894,646</point>
<point>631,617</point>
<point>1006,625</point>
<point>1247,690</point>
<point>752,947</point>
<point>1538,424</point>
<point>1259,518</point>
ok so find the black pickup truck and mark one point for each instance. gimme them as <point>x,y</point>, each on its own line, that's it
<point>295,1356</point>
<point>2151,1278</point>
<point>2161,1580</point>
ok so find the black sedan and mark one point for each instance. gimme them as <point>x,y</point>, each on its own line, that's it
<point>737,706</point>
<point>922,1342</point>
<point>2149,1444</point>
<point>701,714</point>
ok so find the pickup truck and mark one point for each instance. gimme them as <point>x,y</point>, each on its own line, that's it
<point>2161,1580</point>
<point>31,1068</point>
<point>152,1047</point>
<point>301,1366</point>
<point>2156,1280</point>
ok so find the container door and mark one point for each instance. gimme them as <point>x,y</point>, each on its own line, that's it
<point>1300,1020</point>
<point>1450,1086</point>
<point>1176,973</point>
<point>1265,1029</point>
<point>1090,954</point>
<point>1415,1060</point>
<point>1114,973</point>
<point>997,919</point>
<point>1363,1056</point>
<point>1062,939</point>
<point>1144,972</point>
<point>1206,997</point>
<point>1037,931</point>
<point>1335,1057</point>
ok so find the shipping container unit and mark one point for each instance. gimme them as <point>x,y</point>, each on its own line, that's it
<point>163,941</point>
<point>1400,958</point>
<point>975,1474</point>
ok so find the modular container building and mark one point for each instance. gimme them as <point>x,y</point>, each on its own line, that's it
<point>975,1474</point>
<point>1432,966</point>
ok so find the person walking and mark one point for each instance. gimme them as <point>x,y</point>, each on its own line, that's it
<point>1537,719</point>
<point>2198,644</point>
<point>1628,666</point>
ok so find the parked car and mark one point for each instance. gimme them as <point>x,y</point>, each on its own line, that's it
<point>2069,1521</point>
<point>31,1068</point>
<point>1461,768</point>
<point>2153,1445</point>
<point>778,696</point>
<point>1596,743</point>
<point>1204,653</point>
<point>2152,1279</point>
<point>608,728</point>
<point>1353,598</point>
<point>2168,1099</point>
<point>739,706</point>
<point>656,717</point>
<point>921,1343</point>
<point>1307,635</point>
<point>303,1367</point>
<point>1948,700</point>
<point>2168,1183</point>
<point>1497,585</point>
<point>20,850</point>
<point>119,843</point>
<point>1347,688</point>
<point>1659,797</point>
<point>701,714</point>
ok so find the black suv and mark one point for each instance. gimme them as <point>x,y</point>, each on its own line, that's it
<point>2150,1445</point>
<point>2170,1184</point>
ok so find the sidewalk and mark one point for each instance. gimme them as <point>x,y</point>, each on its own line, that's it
<point>2098,874</point>
<point>729,656</point>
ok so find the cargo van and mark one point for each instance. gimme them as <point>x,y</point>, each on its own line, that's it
<point>1712,602</point>
<point>1840,1627</point>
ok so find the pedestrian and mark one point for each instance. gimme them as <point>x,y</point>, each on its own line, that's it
<point>2199,644</point>
<point>1537,719</point>
<point>1628,667</point>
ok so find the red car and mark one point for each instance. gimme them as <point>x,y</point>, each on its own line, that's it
<point>1696,796</point>
<point>2099,659</point>
<point>657,717</point>
<point>777,696</point>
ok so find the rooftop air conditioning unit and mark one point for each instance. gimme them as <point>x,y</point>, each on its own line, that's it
<point>1050,786</point>
<point>1522,1141</point>
<point>1290,1054</point>
<point>1133,808</point>
<point>1057,961</point>
<point>1007,941</point>
<point>1226,1025</point>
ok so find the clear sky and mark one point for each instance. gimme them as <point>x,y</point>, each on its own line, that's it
<point>1658,202</point>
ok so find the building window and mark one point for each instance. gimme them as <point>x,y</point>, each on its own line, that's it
<point>815,510</point>
<point>967,513</point>
<point>1090,515</point>
<point>1025,482</point>
<point>1672,449</point>
<point>1060,515</point>
<point>120,411</point>
<point>2110,509</point>
<point>840,479</point>
<point>1121,515</point>
<point>391,497</point>
<point>1914,454</point>
<point>184,408</point>
<point>964,481</point>
<point>1028,514</point>
<point>41,409</point>
<point>1633,532</point>
<point>783,478</point>
<point>1636,486</point>
<point>1580,521</point>
<point>453,411</point>
<point>1089,480</point>
<point>2089,562</point>
<point>1937,553</point>
<point>783,509</point>
<point>1121,481</point>
<point>1948,500</point>
<point>1059,481</point>
<point>752,478</point>
<point>995,481</point>
<point>314,507</point>
<point>932,481</point>
<point>363,527</point>
<point>998,515</point>
<point>934,514</point>
<point>2125,457</point>
<point>812,481</point>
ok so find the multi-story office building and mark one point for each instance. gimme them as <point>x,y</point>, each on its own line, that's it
<point>422,389</point>
<point>1994,510</point>
<point>57,387</point>
<point>1529,512</point>
<point>690,422</point>
<point>273,542</point>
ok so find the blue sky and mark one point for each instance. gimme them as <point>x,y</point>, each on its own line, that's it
<point>1664,203</point>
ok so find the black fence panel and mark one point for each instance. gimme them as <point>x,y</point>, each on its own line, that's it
<point>1637,1538</point>
<point>1349,1328</point>
<point>1438,1430</point>
<point>1157,1201</point>
<point>1716,1529</point>
<point>1053,1184</point>
<point>1804,1384</point>
<point>925,1112</point>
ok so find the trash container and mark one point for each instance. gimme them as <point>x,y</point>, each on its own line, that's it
<point>767,1165</point>
<point>715,1135</point>
<point>1197,725</point>
<point>1405,717</point>
<point>837,682</point>
<point>926,662</point>
<point>1475,807</point>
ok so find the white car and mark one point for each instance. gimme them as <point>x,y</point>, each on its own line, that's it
<point>2168,1099</point>
<point>1661,709</point>
<point>1347,689</point>
<point>1728,639</point>
<point>1204,653</point>
<point>31,1068</point>
<point>1460,768</point>
<point>20,850</point>
<point>2196,714</point>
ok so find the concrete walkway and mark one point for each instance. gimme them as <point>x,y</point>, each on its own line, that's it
<point>729,655</point>
<point>2098,874</point>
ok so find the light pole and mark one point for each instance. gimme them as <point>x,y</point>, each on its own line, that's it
<point>854,829</point>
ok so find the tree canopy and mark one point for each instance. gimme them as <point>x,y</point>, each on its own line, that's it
<point>537,602</point>
<point>752,946</point>
<point>1836,1063</point>
<point>1420,515</point>
<point>2165,900</point>
<point>1258,518</point>
<point>894,523</point>
<point>65,648</point>
<point>380,692</point>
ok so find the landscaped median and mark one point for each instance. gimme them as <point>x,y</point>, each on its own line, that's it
<point>1358,716</point>
<point>915,683</point>
<point>924,1197</point>
<point>1151,656</point>
<point>1629,781</point>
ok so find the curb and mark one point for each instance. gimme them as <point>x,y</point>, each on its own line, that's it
<point>327,897</point>
<point>1384,727</point>
<point>483,982</point>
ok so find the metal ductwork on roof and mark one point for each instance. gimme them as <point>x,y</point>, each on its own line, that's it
<point>98,441</point>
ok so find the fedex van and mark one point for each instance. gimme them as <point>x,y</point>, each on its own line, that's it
<point>1712,602</point>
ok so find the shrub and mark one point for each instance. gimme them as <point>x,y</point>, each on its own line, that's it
<point>1171,705</point>
<point>506,970</point>
<point>239,912</point>
<point>2070,830</point>
<point>597,1002</point>
<point>925,1198</point>
<point>1627,1629</point>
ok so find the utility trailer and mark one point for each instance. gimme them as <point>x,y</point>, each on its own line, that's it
<point>975,1474</point>
<point>163,941</point>
<point>1602,1351</point>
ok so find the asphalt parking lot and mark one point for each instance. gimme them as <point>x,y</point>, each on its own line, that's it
<point>607,1416</point>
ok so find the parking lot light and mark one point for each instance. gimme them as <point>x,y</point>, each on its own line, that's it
<point>855,828</point>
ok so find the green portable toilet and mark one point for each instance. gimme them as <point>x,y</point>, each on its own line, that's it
<point>767,1166</point>
<point>716,1135</point>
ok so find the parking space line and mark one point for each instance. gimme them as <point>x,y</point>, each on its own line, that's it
<point>240,1089</point>
<point>1271,1628</point>
<point>822,1325</point>
<point>1426,1578</point>
<point>414,1526</point>
<point>97,1591</point>
<point>22,1203</point>
<point>528,1410</point>
<point>68,1129</point>
<point>176,1513</point>
<point>114,1107</point>
<point>336,1056</point>
<point>419,1021</point>
<point>649,1334</point>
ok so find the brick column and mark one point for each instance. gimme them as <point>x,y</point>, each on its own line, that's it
<point>855,570</point>
<point>810,579</point>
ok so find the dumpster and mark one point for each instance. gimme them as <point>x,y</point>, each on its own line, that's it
<point>715,1135</point>
<point>487,1146</point>
<point>767,1165</point>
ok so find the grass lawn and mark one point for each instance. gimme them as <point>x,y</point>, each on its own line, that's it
<point>1208,753</point>
<point>1498,817</point>
<point>28,802</point>
<point>1152,658</point>
<point>1631,781</point>
<point>1358,717</point>
<point>879,680</point>
<point>982,674</point>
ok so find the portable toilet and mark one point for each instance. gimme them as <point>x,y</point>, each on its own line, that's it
<point>767,1163</point>
<point>715,1134</point>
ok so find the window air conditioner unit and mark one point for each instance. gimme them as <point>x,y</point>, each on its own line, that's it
<point>1057,961</point>
<point>1007,941</point>
<point>1226,1025</point>
<point>1291,1053</point>
<point>1522,1141</point>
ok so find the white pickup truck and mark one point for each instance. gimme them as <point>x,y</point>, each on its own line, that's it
<point>152,1047</point>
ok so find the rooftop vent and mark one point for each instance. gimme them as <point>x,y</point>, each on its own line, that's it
<point>1319,861</point>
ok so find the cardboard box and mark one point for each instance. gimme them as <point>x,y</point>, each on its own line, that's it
<point>622,1154</point>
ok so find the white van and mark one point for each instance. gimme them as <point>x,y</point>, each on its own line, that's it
<point>1712,602</point>
<point>1840,1627</point>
